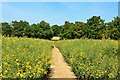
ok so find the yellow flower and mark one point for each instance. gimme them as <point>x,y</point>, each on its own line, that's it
<point>18,73</point>
<point>27,63</point>
<point>16,59</point>
<point>18,64</point>
<point>30,67</point>
<point>21,75</point>
<point>6,71</point>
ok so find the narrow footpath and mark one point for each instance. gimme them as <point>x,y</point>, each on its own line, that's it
<point>59,67</point>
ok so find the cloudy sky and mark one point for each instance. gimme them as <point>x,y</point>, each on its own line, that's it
<point>58,12</point>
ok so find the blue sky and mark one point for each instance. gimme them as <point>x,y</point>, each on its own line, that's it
<point>58,12</point>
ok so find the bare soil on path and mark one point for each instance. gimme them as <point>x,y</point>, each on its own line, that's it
<point>59,68</point>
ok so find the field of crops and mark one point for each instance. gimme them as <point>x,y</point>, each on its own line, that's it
<point>25,57</point>
<point>31,58</point>
<point>91,58</point>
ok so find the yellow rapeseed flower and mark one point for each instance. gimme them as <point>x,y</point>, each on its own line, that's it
<point>6,71</point>
<point>21,75</point>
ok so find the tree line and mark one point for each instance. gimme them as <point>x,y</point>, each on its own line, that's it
<point>94,28</point>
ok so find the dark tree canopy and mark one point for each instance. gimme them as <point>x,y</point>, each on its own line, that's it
<point>6,29</point>
<point>94,28</point>
<point>56,30</point>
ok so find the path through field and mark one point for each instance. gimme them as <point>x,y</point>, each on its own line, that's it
<point>60,68</point>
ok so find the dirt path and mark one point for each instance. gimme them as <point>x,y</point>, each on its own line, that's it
<point>60,68</point>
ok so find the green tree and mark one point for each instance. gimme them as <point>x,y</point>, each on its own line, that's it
<point>19,28</point>
<point>68,31</point>
<point>6,29</point>
<point>79,29</point>
<point>94,26</point>
<point>41,30</point>
<point>56,30</point>
<point>72,30</point>
<point>114,28</point>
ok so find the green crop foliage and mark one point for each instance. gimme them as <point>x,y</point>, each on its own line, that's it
<point>91,59</point>
<point>25,57</point>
